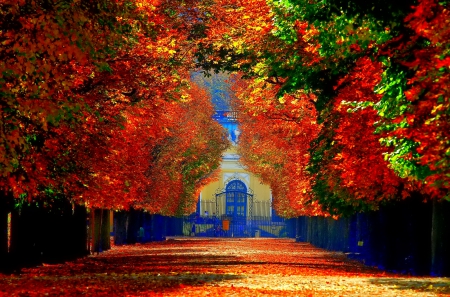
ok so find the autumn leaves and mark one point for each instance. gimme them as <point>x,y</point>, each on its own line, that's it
<point>347,103</point>
<point>97,105</point>
<point>343,106</point>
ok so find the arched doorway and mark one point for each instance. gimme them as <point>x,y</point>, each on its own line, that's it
<point>236,199</point>
<point>234,207</point>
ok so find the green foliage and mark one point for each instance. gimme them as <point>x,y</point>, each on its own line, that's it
<point>403,158</point>
<point>344,31</point>
<point>337,201</point>
<point>393,84</point>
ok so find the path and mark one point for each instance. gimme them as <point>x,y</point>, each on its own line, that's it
<point>217,267</point>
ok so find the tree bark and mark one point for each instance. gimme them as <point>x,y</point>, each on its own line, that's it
<point>120,227</point>
<point>96,223</point>
<point>5,264</point>
<point>3,228</point>
<point>105,230</point>
<point>79,231</point>
<point>133,226</point>
<point>440,239</point>
<point>297,229</point>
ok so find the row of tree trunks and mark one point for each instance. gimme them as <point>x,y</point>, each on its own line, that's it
<point>46,235</point>
<point>41,235</point>
<point>399,237</point>
<point>410,236</point>
<point>136,226</point>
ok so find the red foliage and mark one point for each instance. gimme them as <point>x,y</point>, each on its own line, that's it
<point>92,93</point>
<point>275,143</point>
<point>428,116</point>
<point>358,166</point>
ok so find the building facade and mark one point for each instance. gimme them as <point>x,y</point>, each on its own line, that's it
<point>238,204</point>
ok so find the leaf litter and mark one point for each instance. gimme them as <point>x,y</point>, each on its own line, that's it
<point>217,267</point>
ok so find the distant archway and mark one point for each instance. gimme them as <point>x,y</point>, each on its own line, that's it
<point>236,199</point>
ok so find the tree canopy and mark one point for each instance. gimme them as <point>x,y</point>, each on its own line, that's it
<point>98,106</point>
<point>343,105</point>
<point>358,89</point>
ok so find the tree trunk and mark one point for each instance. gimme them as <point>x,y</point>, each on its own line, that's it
<point>175,226</point>
<point>146,225</point>
<point>297,229</point>
<point>105,230</point>
<point>344,225</point>
<point>120,227</point>
<point>440,239</point>
<point>96,223</point>
<point>309,230</point>
<point>133,226</point>
<point>158,228</point>
<point>5,264</point>
<point>323,232</point>
<point>79,231</point>
<point>25,236</point>
<point>3,228</point>
<point>420,229</point>
<point>304,229</point>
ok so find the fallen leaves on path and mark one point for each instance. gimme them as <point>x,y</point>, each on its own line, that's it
<point>217,267</point>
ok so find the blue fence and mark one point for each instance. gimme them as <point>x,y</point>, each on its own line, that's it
<point>211,226</point>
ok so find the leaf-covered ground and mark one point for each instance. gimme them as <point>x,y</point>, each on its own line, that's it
<point>217,267</point>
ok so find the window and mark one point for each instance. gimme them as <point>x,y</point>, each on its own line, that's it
<point>241,197</point>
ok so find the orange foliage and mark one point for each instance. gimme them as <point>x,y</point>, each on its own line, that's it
<point>92,91</point>
<point>275,143</point>
<point>355,164</point>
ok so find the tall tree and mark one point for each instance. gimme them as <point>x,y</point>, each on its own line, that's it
<point>275,143</point>
<point>380,61</point>
<point>88,91</point>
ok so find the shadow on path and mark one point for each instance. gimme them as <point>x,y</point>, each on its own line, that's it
<point>426,285</point>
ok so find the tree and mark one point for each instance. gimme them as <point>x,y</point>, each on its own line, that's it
<point>85,91</point>
<point>275,142</point>
<point>351,172</point>
<point>379,61</point>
